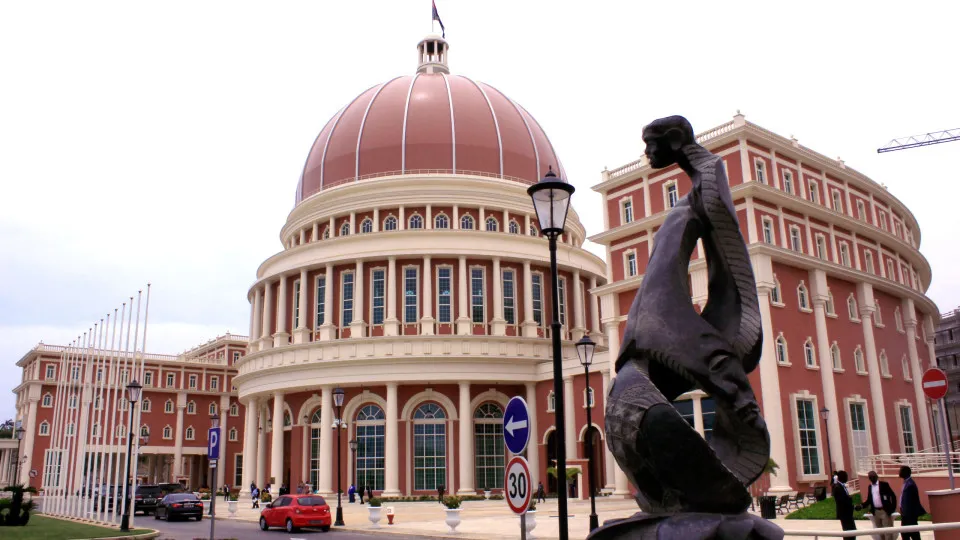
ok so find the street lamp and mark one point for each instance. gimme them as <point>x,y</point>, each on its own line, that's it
<point>133,396</point>
<point>144,440</point>
<point>551,200</point>
<point>825,414</point>
<point>338,404</point>
<point>16,471</point>
<point>585,348</point>
<point>215,424</point>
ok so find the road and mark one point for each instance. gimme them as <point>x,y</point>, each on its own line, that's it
<point>244,530</point>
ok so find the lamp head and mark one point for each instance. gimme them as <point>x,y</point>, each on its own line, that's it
<point>824,413</point>
<point>338,394</point>
<point>551,200</point>
<point>585,349</point>
<point>353,445</point>
<point>20,432</point>
<point>215,420</point>
<point>133,391</point>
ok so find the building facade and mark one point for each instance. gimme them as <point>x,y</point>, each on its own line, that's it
<point>947,342</point>
<point>841,282</point>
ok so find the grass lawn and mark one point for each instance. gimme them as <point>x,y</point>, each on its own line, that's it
<point>827,509</point>
<point>45,528</point>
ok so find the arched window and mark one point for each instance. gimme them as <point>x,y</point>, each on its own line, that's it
<point>835,357</point>
<point>852,310</point>
<point>145,405</point>
<point>441,221</point>
<point>366,226</point>
<point>416,221</point>
<point>551,402</point>
<point>212,409</point>
<point>802,296</point>
<point>809,355</point>
<point>191,407</point>
<point>492,224</point>
<point>898,319</point>
<point>858,361</point>
<point>45,428</point>
<point>829,305</point>
<point>466,222</point>
<point>534,231</point>
<point>316,432</point>
<point>47,401</point>
<point>488,445</point>
<point>775,296</point>
<point>782,357</point>
<point>233,434</point>
<point>168,406</point>
<point>390,224</point>
<point>345,229</point>
<point>906,368</point>
<point>429,447</point>
<point>167,432</point>
<point>884,364</point>
<point>71,429</point>
<point>287,421</point>
<point>326,232</point>
<point>514,227</point>
<point>144,431</point>
<point>189,433</point>
<point>370,442</point>
<point>878,314</point>
<point>234,409</point>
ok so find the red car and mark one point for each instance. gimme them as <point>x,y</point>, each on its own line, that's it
<point>295,511</point>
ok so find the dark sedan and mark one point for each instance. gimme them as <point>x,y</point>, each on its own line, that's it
<point>147,499</point>
<point>179,505</point>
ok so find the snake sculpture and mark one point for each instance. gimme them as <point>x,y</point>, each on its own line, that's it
<point>688,487</point>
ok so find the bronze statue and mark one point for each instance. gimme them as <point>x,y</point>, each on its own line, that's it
<point>688,488</point>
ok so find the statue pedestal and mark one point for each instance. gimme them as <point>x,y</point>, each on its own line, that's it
<point>689,526</point>
<point>944,507</point>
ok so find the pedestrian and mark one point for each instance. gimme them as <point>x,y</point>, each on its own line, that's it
<point>360,492</point>
<point>880,499</point>
<point>844,503</point>
<point>255,493</point>
<point>226,492</point>
<point>352,493</point>
<point>440,493</point>
<point>541,495</point>
<point>370,495</point>
<point>910,507</point>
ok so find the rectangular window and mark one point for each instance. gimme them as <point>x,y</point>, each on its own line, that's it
<point>444,294</point>
<point>672,196</point>
<point>321,298</point>
<point>147,378</point>
<point>214,383</point>
<point>296,303</point>
<point>844,254</point>
<point>377,298</point>
<point>429,456</point>
<point>882,217</point>
<point>761,169</point>
<point>171,380</point>
<point>814,192</point>
<point>536,280</point>
<point>898,229</point>
<point>807,426</point>
<point>821,247</point>
<point>562,303</point>
<point>238,469</point>
<point>509,297</point>
<point>476,295</point>
<point>52,464</point>
<point>411,278</point>
<point>236,356</point>
<point>627,210</point>
<point>837,203</point>
<point>768,230</point>
<point>795,239</point>
<point>861,211</point>
<point>858,427</point>
<point>76,373</point>
<point>906,425</point>
<point>346,315</point>
<point>890,273</point>
<point>192,381</point>
<point>51,371</point>
<point>631,264</point>
<point>868,261</point>
<point>788,181</point>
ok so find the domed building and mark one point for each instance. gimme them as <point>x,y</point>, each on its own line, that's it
<point>413,277</point>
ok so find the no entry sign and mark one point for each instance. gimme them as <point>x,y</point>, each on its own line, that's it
<point>516,484</point>
<point>934,383</point>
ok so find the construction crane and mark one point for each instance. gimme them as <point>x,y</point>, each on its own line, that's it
<point>926,139</point>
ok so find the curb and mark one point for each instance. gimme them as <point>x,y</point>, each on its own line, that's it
<point>145,536</point>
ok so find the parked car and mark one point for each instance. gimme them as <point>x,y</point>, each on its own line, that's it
<point>171,488</point>
<point>147,499</point>
<point>295,511</point>
<point>179,505</point>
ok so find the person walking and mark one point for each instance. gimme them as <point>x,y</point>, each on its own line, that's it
<point>844,503</point>
<point>881,501</point>
<point>910,507</point>
<point>369,493</point>
<point>352,493</point>
<point>440,493</point>
<point>541,495</point>
<point>255,493</point>
<point>360,493</point>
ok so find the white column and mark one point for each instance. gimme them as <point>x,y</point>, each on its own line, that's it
<point>314,236</point>
<point>533,447</point>
<point>610,464</point>
<point>276,443</point>
<point>281,337</point>
<point>910,322</point>
<point>402,222</point>
<point>426,323</point>
<point>358,326</point>
<point>498,323</point>
<point>30,439</point>
<point>391,324</point>
<point>529,325</point>
<point>353,223</point>
<point>466,442</point>
<point>770,395</point>
<point>302,333</point>
<point>391,471</point>
<point>456,217</point>
<point>429,220</point>
<point>224,436</point>
<point>333,227</point>
<point>463,321</point>
<point>325,481</point>
<point>376,220</point>
<point>249,446</point>
<point>569,420</point>
<point>526,224</point>
<point>268,310</point>
<point>578,329</point>
<point>178,438</point>
<point>594,308</point>
<point>257,319</point>
<point>253,323</point>
<point>865,296</point>
<point>327,330</point>
<point>261,471</point>
<point>818,281</point>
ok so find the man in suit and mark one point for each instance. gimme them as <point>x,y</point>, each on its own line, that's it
<point>881,501</point>
<point>844,503</point>
<point>910,507</point>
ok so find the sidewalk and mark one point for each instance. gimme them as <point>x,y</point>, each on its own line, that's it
<point>493,520</point>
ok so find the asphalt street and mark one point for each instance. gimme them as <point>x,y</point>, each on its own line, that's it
<point>244,530</point>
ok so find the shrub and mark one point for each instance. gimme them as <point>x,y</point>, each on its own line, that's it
<point>234,496</point>
<point>265,497</point>
<point>452,502</point>
<point>374,502</point>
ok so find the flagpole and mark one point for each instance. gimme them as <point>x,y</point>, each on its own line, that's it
<point>74,419</point>
<point>111,403</point>
<point>55,428</point>
<point>135,420</point>
<point>96,435</point>
<point>121,387</point>
<point>106,459</point>
<point>89,388</point>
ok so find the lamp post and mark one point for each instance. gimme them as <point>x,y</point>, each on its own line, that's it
<point>551,200</point>
<point>16,470</point>
<point>133,396</point>
<point>338,404</point>
<point>353,450</point>
<point>215,424</point>
<point>825,414</point>
<point>144,440</point>
<point>585,348</point>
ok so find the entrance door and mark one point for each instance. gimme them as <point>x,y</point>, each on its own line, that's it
<point>860,439</point>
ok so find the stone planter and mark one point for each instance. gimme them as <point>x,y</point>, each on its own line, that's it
<point>232,508</point>
<point>374,516</point>
<point>453,519</point>
<point>486,494</point>
<point>531,523</point>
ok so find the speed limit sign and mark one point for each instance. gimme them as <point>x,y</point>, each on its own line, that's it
<point>517,486</point>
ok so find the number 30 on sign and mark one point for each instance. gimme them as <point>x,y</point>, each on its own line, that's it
<point>517,484</point>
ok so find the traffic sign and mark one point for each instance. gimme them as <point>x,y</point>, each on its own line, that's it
<point>516,484</point>
<point>516,422</point>
<point>213,444</point>
<point>934,383</point>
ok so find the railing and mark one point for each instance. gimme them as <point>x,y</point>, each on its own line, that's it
<point>872,531</point>
<point>889,464</point>
<point>415,172</point>
<point>701,138</point>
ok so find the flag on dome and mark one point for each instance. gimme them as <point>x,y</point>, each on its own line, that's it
<point>436,17</point>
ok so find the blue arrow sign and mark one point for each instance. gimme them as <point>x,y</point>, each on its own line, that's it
<point>516,425</point>
<point>213,443</point>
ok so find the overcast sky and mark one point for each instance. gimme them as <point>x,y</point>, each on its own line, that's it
<point>163,141</point>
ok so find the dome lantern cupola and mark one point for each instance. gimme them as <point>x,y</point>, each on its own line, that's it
<point>432,55</point>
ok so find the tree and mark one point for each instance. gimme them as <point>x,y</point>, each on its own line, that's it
<point>6,429</point>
